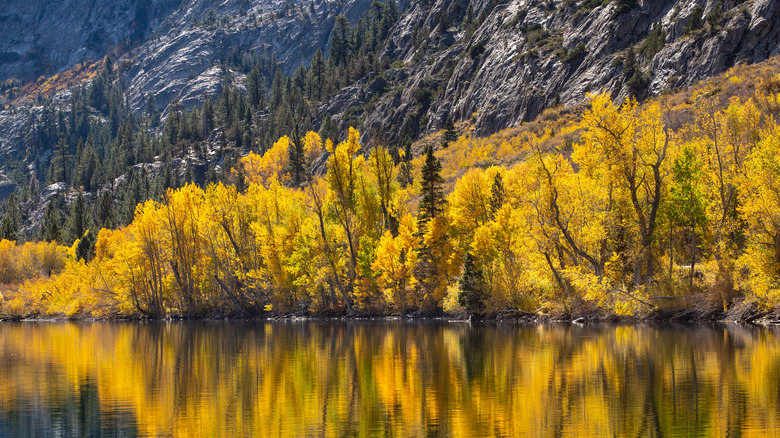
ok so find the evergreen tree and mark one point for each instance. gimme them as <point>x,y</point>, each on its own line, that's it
<point>695,21</point>
<point>78,220</point>
<point>635,80</point>
<point>432,203</point>
<point>497,193</point>
<point>86,247</point>
<point>51,229</point>
<point>655,41</point>
<point>189,175</point>
<point>444,20</point>
<point>206,122</point>
<point>405,172</point>
<point>104,211</point>
<point>240,183</point>
<point>12,219</point>
<point>108,68</point>
<point>152,113</point>
<point>450,135</point>
<point>329,130</point>
<point>469,22</point>
<point>60,162</point>
<point>316,76</point>
<point>339,49</point>
<point>33,190</point>
<point>471,294</point>
<point>715,17</point>
<point>297,164</point>
<point>254,87</point>
<point>629,64</point>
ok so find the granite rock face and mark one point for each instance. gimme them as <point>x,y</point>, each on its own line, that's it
<point>42,37</point>
<point>496,63</point>
<point>527,56</point>
<point>179,61</point>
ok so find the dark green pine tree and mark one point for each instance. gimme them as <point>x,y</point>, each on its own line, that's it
<point>189,175</point>
<point>431,206</point>
<point>51,229</point>
<point>450,135</point>
<point>86,247</point>
<point>151,111</point>
<point>254,87</point>
<point>471,294</point>
<point>104,210</point>
<point>339,49</point>
<point>60,162</point>
<point>240,182</point>
<point>329,129</point>
<point>297,166</point>
<point>12,219</point>
<point>78,222</point>
<point>406,166</point>
<point>497,193</point>
<point>433,201</point>
<point>316,77</point>
<point>629,64</point>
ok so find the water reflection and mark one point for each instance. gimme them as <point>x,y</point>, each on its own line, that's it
<point>386,379</point>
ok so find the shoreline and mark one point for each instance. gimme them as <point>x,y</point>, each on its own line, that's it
<point>738,314</point>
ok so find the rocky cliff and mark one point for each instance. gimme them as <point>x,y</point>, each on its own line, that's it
<point>43,37</point>
<point>513,60</point>
<point>497,63</point>
<point>493,63</point>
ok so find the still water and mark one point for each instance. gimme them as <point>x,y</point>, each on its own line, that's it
<point>286,379</point>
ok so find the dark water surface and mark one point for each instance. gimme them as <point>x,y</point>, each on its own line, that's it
<point>286,379</point>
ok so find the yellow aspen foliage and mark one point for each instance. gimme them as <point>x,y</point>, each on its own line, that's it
<point>184,245</point>
<point>582,210</point>
<point>31,260</point>
<point>442,263</point>
<point>724,139</point>
<point>626,149</point>
<point>230,245</point>
<point>760,210</point>
<point>260,169</point>
<point>395,260</point>
<point>312,146</point>
<point>143,262</point>
<point>470,200</point>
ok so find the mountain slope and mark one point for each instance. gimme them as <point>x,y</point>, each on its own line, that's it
<point>526,56</point>
<point>398,72</point>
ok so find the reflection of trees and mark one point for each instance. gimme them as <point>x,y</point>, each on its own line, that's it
<point>294,378</point>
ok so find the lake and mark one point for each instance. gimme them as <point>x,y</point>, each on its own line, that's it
<point>387,378</point>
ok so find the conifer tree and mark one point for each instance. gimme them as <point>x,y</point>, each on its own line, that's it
<point>60,162</point>
<point>85,248</point>
<point>406,166</point>
<point>497,193</point>
<point>340,46</point>
<point>51,229</point>
<point>254,87</point>
<point>78,221</point>
<point>450,135</point>
<point>104,211</point>
<point>12,219</point>
<point>432,203</point>
<point>629,64</point>
<point>297,164</point>
<point>471,294</point>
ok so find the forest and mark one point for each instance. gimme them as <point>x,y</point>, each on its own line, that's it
<point>615,208</point>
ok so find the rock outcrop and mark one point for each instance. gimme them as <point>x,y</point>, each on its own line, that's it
<point>43,37</point>
<point>492,62</point>
<point>526,56</point>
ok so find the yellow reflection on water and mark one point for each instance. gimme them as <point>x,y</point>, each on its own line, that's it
<point>387,379</point>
